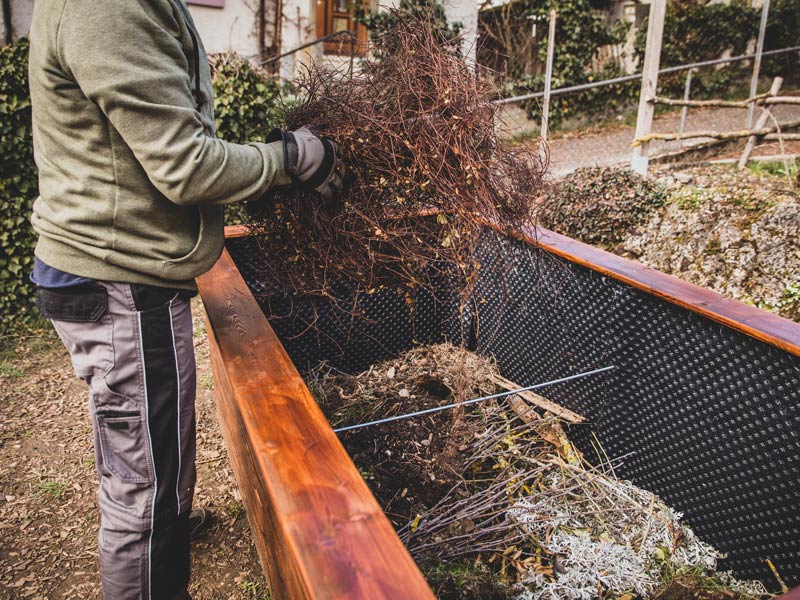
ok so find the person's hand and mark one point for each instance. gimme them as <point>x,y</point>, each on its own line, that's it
<point>313,163</point>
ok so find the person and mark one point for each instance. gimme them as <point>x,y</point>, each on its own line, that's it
<point>133,183</point>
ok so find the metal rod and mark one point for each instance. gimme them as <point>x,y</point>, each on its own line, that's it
<point>548,77</point>
<point>474,400</point>
<point>757,62</point>
<point>304,46</point>
<point>635,76</point>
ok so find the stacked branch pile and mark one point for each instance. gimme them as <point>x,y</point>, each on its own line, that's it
<point>417,131</point>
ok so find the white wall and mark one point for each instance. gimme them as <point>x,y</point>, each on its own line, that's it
<point>234,27</point>
<point>299,26</point>
<point>466,13</point>
<point>21,13</point>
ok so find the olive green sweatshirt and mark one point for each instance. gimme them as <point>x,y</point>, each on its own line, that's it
<point>132,180</point>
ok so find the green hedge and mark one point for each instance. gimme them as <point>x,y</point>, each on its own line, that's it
<point>248,103</point>
<point>697,30</point>
<point>247,106</point>
<point>18,187</point>
<point>600,206</point>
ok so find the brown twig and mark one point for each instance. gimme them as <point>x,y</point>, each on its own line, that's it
<point>417,131</point>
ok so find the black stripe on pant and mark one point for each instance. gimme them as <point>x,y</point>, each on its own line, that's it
<point>169,541</point>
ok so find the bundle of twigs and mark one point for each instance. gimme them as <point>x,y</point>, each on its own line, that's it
<point>560,527</point>
<point>417,131</point>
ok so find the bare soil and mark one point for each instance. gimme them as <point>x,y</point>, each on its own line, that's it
<point>48,511</point>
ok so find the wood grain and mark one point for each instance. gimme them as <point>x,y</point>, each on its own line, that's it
<point>540,401</point>
<point>318,529</point>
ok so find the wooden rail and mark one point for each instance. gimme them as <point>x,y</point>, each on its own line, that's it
<point>318,529</point>
<point>747,319</point>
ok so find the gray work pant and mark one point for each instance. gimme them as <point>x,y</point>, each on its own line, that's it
<point>133,345</point>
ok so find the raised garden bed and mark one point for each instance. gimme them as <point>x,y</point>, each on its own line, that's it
<point>703,400</point>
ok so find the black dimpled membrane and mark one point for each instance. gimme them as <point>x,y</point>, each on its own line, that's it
<point>704,416</point>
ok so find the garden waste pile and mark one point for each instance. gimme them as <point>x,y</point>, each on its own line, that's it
<point>492,499</point>
<point>425,174</point>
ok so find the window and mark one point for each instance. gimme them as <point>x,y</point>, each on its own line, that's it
<point>334,16</point>
<point>215,3</point>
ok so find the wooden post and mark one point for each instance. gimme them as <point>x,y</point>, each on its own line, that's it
<point>551,41</point>
<point>687,90</point>
<point>757,63</point>
<point>762,122</point>
<point>9,37</point>
<point>652,59</point>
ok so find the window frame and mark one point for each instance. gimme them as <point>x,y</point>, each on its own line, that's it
<point>340,46</point>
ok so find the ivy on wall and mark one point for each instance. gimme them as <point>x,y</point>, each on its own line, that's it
<point>18,186</point>
<point>696,30</point>
<point>580,33</point>
<point>381,22</point>
<point>783,25</point>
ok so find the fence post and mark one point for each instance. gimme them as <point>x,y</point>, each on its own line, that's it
<point>762,122</point>
<point>551,42</point>
<point>687,90</point>
<point>652,59</point>
<point>757,63</point>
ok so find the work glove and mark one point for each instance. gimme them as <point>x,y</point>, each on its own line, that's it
<point>314,164</point>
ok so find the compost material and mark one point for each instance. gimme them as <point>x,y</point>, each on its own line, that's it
<point>493,501</point>
<point>417,131</point>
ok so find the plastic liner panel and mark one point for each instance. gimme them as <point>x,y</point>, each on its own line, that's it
<point>704,416</point>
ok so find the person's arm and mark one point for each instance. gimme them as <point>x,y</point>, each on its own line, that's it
<point>126,58</point>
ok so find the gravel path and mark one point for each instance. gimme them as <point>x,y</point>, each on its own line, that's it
<point>612,146</point>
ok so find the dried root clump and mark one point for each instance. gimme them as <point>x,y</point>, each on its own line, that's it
<point>417,131</point>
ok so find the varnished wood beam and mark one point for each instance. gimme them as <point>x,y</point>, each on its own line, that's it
<point>318,529</point>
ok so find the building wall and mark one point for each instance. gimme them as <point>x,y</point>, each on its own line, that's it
<point>466,13</point>
<point>234,27</point>
<point>299,27</point>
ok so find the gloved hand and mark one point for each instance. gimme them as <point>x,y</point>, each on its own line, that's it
<point>312,163</point>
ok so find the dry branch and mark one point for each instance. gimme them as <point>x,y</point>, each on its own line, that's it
<point>782,136</point>
<point>717,135</point>
<point>540,401</point>
<point>761,122</point>
<point>783,100</point>
<point>761,98</point>
<point>417,130</point>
